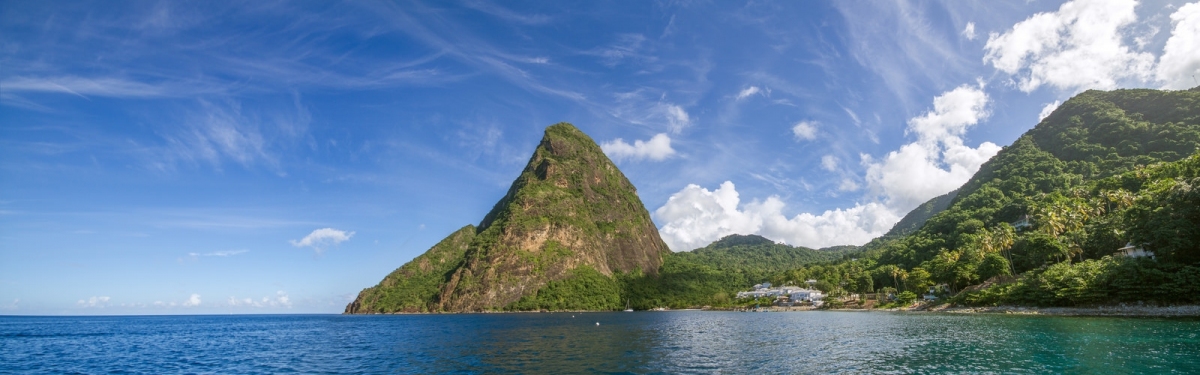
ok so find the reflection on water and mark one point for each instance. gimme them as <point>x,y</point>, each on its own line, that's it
<point>642,342</point>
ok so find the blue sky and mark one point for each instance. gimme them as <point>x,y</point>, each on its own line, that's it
<point>204,157</point>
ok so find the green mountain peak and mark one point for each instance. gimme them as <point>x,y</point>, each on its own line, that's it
<point>570,215</point>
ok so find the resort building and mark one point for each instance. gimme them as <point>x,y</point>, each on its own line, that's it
<point>1132,251</point>
<point>787,294</point>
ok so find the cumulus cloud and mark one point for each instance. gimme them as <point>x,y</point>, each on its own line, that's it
<point>1075,48</point>
<point>938,161</point>
<point>192,301</point>
<point>969,31</point>
<point>321,239</point>
<point>805,130</point>
<point>829,163</point>
<point>934,164</point>
<point>1048,109</point>
<point>1179,67</point>
<point>657,148</point>
<point>94,301</point>
<point>747,92</point>
<point>696,216</point>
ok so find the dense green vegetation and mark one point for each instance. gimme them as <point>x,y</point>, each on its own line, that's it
<point>414,287</point>
<point>713,275</point>
<point>757,255</point>
<point>585,289</point>
<point>1105,169</point>
<point>918,216</point>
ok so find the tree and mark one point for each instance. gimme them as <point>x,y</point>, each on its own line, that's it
<point>1167,221</point>
<point>993,265</point>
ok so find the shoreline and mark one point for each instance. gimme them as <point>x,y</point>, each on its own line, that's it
<point>1177,311</point>
<point>1114,310</point>
<point>1097,311</point>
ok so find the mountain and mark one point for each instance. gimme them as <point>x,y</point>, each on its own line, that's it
<point>1105,169</point>
<point>758,254</point>
<point>918,216</point>
<point>568,225</point>
<point>1091,137</point>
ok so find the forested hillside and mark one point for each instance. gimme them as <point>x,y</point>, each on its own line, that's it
<point>712,275</point>
<point>1105,169</point>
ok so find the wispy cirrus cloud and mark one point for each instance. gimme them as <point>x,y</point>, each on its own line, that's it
<point>219,254</point>
<point>84,87</point>
<point>748,92</point>
<point>508,14</point>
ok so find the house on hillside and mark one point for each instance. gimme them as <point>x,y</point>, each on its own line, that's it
<point>1131,251</point>
<point>1022,223</point>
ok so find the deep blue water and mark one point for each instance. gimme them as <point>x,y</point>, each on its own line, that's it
<point>641,342</point>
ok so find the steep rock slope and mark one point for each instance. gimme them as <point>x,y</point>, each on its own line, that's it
<point>571,216</point>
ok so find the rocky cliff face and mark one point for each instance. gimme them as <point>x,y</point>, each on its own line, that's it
<point>570,209</point>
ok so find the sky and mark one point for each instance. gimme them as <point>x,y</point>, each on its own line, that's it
<point>213,157</point>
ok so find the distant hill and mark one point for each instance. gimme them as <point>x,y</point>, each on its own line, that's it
<point>918,216</point>
<point>755,253</point>
<point>570,223</point>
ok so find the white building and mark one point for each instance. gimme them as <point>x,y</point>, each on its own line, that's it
<point>1133,252</point>
<point>794,293</point>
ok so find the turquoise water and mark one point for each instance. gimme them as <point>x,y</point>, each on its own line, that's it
<point>640,342</point>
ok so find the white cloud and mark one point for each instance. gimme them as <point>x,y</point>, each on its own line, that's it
<point>192,301</point>
<point>322,238</point>
<point>805,130</point>
<point>747,92</point>
<point>223,253</point>
<point>695,217</point>
<point>952,113</point>
<point>105,86</point>
<point>650,108</point>
<point>677,118</point>
<point>969,31</point>
<point>1048,109</point>
<point>92,302</point>
<point>829,163</point>
<point>1075,48</point>
<point>848,185</point>
<point>657,148</point>
<point>937,162</point>
<point>280,299</point>
<point>1179,67</point>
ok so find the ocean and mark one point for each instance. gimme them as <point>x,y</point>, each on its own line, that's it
<point>638,342</point>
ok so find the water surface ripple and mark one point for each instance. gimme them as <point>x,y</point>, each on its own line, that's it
<point>641,342</point>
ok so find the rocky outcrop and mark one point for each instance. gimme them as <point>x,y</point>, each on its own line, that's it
<point>570,208</point>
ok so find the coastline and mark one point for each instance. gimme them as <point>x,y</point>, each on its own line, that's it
<point>1110,311</point>
<point>1116,310</point>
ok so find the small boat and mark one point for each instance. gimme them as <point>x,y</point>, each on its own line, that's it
<point>627,308</point>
